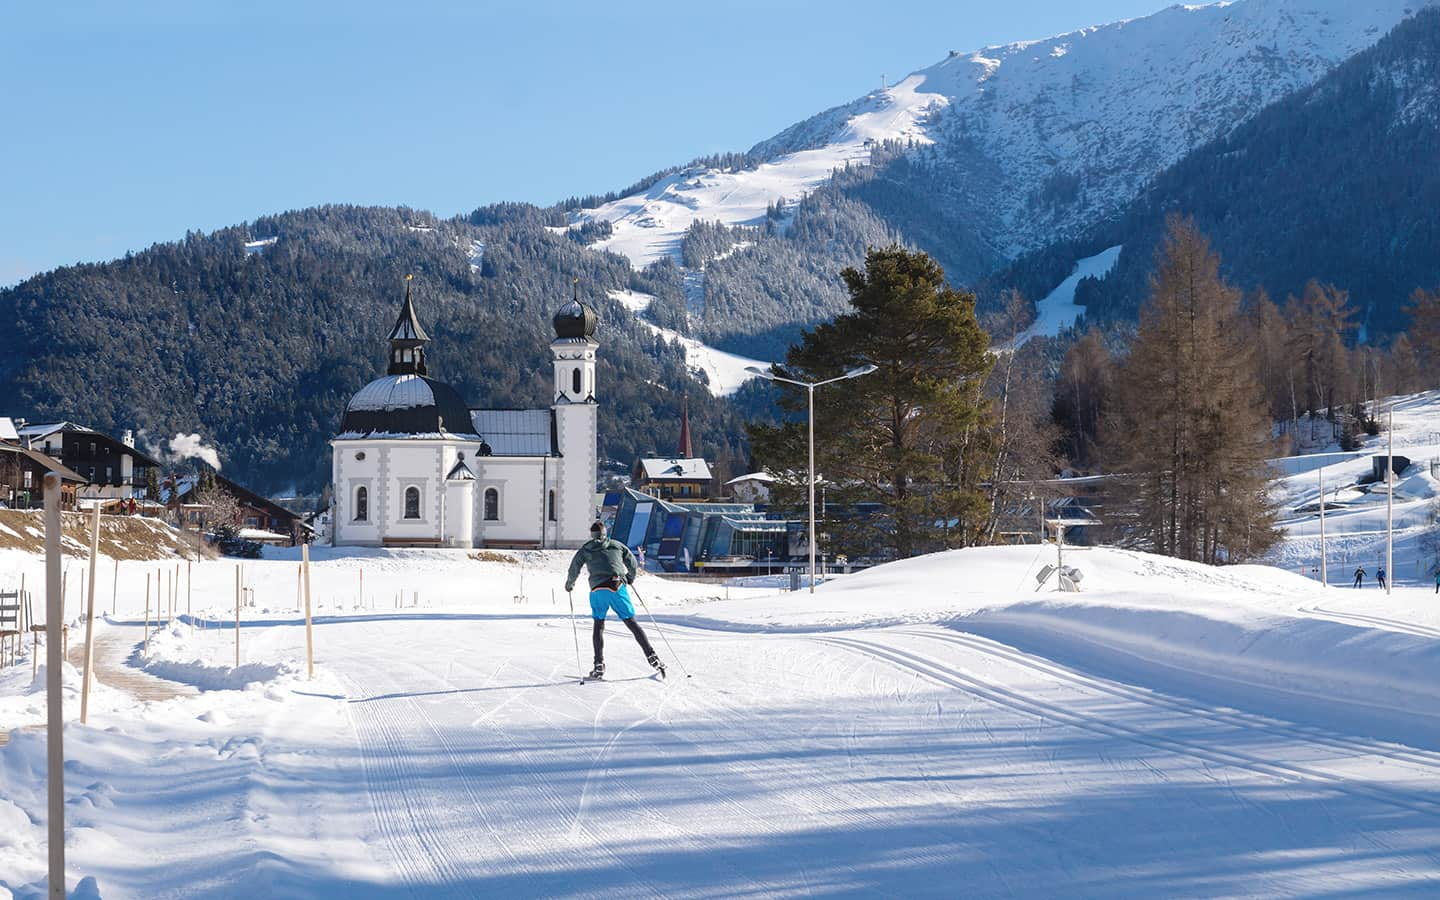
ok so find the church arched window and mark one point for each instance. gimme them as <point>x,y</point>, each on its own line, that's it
<point>575,382</point>
<point>412,503</point>
<point>492,505</point>
<point>552,506</point>
<point>362,504</point>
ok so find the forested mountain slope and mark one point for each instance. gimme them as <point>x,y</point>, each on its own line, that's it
<point>259,349</point>
<point>1337,183</point>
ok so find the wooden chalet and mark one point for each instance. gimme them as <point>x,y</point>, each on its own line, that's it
<point>22,478</point>
<point>260,519</point>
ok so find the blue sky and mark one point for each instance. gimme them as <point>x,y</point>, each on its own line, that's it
<point>123,127</point>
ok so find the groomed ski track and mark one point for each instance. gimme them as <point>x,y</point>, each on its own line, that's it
<point>907,761</point>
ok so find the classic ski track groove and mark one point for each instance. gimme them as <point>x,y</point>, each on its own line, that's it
<point>378,757</point>
<point>941,673</point>
<point>1427,761</point>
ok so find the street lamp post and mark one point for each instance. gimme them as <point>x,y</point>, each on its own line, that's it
<point>810,387</point>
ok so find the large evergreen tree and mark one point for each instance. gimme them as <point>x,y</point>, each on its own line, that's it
<point>1190,426</point>
<point>893,438</point>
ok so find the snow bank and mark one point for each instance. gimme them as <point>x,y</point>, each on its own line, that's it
<point>180,653</point>
<point>1253,637</point>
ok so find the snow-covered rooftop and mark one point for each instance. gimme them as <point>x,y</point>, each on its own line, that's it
<point>675,469</point>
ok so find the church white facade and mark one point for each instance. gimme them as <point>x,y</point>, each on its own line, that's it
<point>415,466</point>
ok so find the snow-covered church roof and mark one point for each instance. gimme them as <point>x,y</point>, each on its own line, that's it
<point>407,405</point>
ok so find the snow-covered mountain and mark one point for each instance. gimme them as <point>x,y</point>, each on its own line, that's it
<point>1035,139</point>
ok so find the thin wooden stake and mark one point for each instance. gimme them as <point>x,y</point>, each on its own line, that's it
<point>237,616</point>
<point>54,720</point>
<point>147,614</point>
<point>309,639</point>
<point>90,621</point>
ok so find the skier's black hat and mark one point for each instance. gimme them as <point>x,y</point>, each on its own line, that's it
<point>598,529</point>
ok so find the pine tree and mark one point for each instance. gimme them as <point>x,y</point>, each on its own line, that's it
<point>1190,428</point>
<point>897,437</point>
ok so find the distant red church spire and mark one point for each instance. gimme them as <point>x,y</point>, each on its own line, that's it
<point>687,450</point>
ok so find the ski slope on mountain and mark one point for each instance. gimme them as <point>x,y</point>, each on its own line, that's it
<point>1058,310</point>
<point>650,225</point>
<point>1069,127</point>
<point>1174,730</point>
<point>724,372</point>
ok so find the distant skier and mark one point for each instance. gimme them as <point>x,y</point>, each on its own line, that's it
<point>1359,575</point>
<point>1437,581</point>
<point>1380,577</point>
<point>612,569</point>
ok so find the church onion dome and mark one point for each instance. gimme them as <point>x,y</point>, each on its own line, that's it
<point>407,405</point>
<point>575,320</point>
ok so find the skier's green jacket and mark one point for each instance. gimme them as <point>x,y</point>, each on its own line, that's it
<point>606,559</point>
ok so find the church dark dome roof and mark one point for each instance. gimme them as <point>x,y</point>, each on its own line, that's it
<point>575,321</point>
<point>406,405</point>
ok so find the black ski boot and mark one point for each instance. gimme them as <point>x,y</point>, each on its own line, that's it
<point>654,661</point>
<point>597,673</point>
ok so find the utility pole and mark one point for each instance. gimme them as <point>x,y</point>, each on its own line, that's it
<point>1389,498</point>
<point>1324,580</point>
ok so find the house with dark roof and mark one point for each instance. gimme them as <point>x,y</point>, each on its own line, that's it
<point>112,469</point>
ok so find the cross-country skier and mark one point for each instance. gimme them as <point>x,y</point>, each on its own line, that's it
<point>1380,576</point>
<point>1359,575</point>
<point>612,569</point>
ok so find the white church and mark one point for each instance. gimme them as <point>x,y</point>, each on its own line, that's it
<point>415,466</point>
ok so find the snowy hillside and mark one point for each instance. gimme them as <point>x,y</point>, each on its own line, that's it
<point>1355,508</point>
<point>1068,128</point>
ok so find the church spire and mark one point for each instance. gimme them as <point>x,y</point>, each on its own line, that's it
<point>407,340</point>
<point>687,451</point>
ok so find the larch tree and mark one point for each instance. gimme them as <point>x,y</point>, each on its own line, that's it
<point>907,444</point>
<point>1082,395</point>
<point>1424,331</point>
<point>1190,429</point>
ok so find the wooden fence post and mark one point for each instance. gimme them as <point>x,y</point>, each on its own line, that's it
<point>90,620</point>
<point>237,615</point>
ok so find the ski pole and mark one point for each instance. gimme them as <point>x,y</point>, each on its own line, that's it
<point>673,655</point>
<point>575,634</point>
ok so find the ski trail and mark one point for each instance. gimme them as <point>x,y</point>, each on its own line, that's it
<point>1115,727</point>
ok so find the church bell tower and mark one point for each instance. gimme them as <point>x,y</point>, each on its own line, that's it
<point>576,417</point>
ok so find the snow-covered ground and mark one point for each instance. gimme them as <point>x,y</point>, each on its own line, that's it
<point>934,727</point>
<point>725,371</point>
